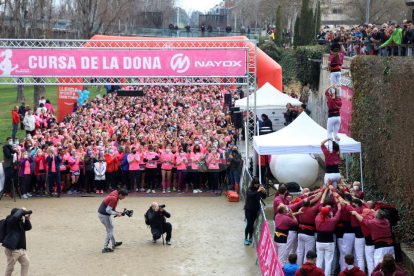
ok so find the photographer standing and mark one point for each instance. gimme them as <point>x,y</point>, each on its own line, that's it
<point>159,226</point>
<point>15,240</point>
<point>252,207</point>
<point>108,208</point>
<point>8,151</point>
<point>234,160</point>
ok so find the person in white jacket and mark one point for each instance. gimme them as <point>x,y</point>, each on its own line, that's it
<point>100,169</point>
<point>29,122</point>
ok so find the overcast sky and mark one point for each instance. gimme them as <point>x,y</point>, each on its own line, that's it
<point>197,5</point>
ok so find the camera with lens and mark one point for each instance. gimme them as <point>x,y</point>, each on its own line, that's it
<point>126,212</point>
<point>27,212</point>
<point>161,206</point>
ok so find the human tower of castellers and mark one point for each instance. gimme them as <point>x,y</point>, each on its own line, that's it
<point>330,229</point>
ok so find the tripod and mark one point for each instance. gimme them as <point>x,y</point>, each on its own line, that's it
<point>224,184</point>
<point>13,187</point>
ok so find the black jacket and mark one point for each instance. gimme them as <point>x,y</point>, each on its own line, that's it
<point>22,110</point>
<point>88,162</point>
<point>8,156</point>
<point>16,231</point>
<point>156,219</point>
<point>58,160</point>
<point>253,199</point>
<point>267,123</point>
<point>234,162</point>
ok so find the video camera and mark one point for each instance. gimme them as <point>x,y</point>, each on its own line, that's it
<point>129,213</point>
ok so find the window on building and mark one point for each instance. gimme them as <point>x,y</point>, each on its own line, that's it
<point>336,11</point>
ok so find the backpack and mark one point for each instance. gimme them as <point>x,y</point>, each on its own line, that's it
<point>146,217</point>
<point>3,229</point>
<point>202,166</point>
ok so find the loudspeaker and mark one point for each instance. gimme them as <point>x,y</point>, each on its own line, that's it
<point>235,109</point>
<point>130,93</point>
<point>237,119</point>
<point>227,99</point>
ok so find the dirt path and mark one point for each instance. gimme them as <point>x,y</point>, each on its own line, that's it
<point>67,238</point>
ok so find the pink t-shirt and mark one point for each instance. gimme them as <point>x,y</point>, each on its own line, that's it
<point>27,167</point>
<point>168,159</point>
<point>151,164</point>
<point>213,164</point>
<point>134,164</point>
<point>195,157</point>
<point>181,159</point>
<point>74,163</point>
<point>41,165</point>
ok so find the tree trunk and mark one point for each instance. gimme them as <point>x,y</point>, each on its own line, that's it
<point>99,89</point>
<point>20,93</point>
<point>37,94</point>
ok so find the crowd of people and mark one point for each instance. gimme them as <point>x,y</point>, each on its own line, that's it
<point>370,39</point>
<point>174,139</point>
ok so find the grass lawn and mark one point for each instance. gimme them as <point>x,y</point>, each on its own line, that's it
<point>8,95</point>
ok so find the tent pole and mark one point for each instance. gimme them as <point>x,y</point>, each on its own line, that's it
<point>360,166</point>
<point>246,144</point>
<point>346,162</point>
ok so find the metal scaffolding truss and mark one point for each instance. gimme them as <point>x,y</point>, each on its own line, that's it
<point>248,80</point>
<point>154,81</point>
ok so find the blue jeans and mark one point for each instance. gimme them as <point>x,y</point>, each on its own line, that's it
<point>54,177</point>
<point>234,177</point>
<point>14,131</point>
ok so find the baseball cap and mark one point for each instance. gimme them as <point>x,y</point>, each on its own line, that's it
<point>311,254</point>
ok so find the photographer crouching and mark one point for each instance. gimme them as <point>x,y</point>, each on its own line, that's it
<point>108,208</point>
<point>15,240</point>
<point>156,218</point>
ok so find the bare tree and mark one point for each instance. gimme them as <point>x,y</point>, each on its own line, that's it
<point>379,10</point>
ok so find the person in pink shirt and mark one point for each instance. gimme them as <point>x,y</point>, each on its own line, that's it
<point>213,161</point>
<point>167,160</point>
<point>196,156</point>
<point>25,174</point>
<point>150,159</point>
<point>40,169</point>
<point>74,166</point>
<point>134,171</point>
<point>181,162</point>
<point>142,166</point>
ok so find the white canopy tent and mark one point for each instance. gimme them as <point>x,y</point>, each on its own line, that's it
<point>304,136</point>
<point>268,97</point>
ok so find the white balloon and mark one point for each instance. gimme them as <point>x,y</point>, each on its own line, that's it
<point>299,168</point>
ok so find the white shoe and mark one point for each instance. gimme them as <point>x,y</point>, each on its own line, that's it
<point>29,195</point>
<point>25,196</point>
<point>163,191</point>
<point>153,191</point>
<point>142,190</point>
<point>200,191</point>
<point>195,191</point>
<point>168,191</point>
<point>136,190</point>
<point>149,191</point>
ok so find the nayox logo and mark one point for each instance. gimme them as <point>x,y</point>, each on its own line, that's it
<point>180,63</point>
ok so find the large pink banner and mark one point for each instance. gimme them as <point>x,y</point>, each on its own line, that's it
<point>269,264</point>
<point>346,110</point>
<point>122,63</point>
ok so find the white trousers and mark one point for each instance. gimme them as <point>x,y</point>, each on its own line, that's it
<point>347,247</point>
<point>336,79</point>
<point>380,252</point>
<point>341,255</point>
<point>325,252</point>
<point>305,243</point>
<point>281,252</point>
<point>292,242</point>
<point>333,129</point>
<point>359,246</point>
<point>335,177</point>
<point>369,255</point>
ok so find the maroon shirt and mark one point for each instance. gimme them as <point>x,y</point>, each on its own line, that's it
<point>354,220</point>
<point>364,228</point>
<point>284,221</point>
<point>330,158</point>
<point>333,103</point>
<point>380,228</point>
<point>309,214</point>
<point>329,224</point>
<point>279,199</point>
